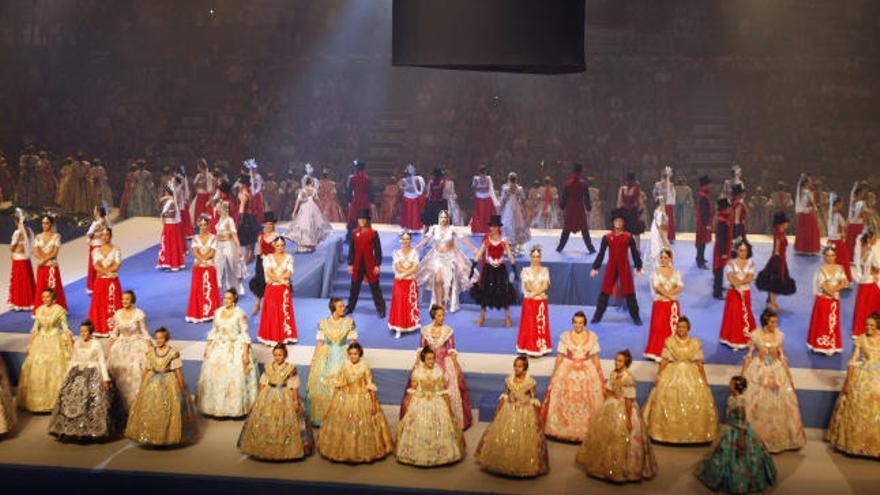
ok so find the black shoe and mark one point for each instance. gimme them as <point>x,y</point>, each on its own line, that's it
<point>591,250</point>
<point>347,311</point>
<point>381,314</point>
<point>637,321</point>
<point>596,320</point>
<point>702,266</point>
<point>558,249</point>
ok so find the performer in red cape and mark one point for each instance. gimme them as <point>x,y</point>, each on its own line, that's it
<point>107,297</point>
<point>824,333</point>
<point>171,244</point>
<point>21,280</point>
<point>618,272</point>
<point>485,202</point>
<point>404,314</point>
<point>807,236</point>
<point>204,186</point>
<point>629,201</point>
<point>856,217</point>
<point>867,274</point>
<point>666,286</point>
<point>413,188</point>
<point>360,193</point>
<point>204,292</point>
<point>364,258</point>
<point>837,231</point>
<point>94,236</point>
<point>723,244</point>
<point>739,213</point>
<point>738,321</point>
<point>277,320</point>
<point>703,212</point>
<point>575,203</point>
<point>46,247</point>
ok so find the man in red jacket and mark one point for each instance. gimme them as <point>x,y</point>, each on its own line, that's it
<point>704,221</point>
<point>364,258</point>
<point>575,203</point>
<point>360,192</point>
<point>618,272</point>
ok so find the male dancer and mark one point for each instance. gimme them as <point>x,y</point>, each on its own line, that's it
<point>618,272</point>
<point>723,244</point>
<point>575,203</point>
<point>704,221</point>
<point>360,192</point>
<point>364,258</point>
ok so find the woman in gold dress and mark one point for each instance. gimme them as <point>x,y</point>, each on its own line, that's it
<point>7,406</point>
<point>277,428</point>
<point>855,425</point>
<point>681,408</point>
<point>162,413</point>
<point>617,447</point>
<point>514,443</point>
<point>355,430</point>
<point>335,333</point>
<point>46,358</point>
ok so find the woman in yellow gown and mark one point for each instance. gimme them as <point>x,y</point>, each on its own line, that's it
<point>514,443</point>
<point>47,357</point>
<point>681,408</point>
<point>355,430</point>
<point>855,425</point>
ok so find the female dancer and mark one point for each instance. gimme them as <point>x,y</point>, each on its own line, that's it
<point>309,227</point>
<point>445,269</point>
<point>335,334</point>
<point>95,236</point>
<point>867,274</point>
<point>774,278</point>
<point>837,234</point>
<point>172,245</point>
<point>277,320</point>
<point>228,381</point>
<point>824,334</point>
<point>46,247</point>
<point>142,200</point>
<point>806,240</point>
<point>666,286</point>
<point>534,322</point>
<point>328,199</point>
<point>738,320</point>
<point>404,314</point>
<point>8,418</point>
<point>511,212</point>
<point>21,282</point>
<point>204,186</point>
<point>658,236</point>
<point>680,408</point>
<point>277,428</point>
<point>771,402</point>
<point>129,344</point>
<point>231,270</point>
<point>437,201</point>
<point>389,211</point>
<point>617,447</point>
<point>182,196</point>
<point>428,434</point>
<point>108,292</point>
<point>494,289</point>
<point>485,202</point>
<point>247,219</point>
<point>548,213</point>
<point>576,388</point>
<point>46,357</point>
<point>204,292</point>
<point>439,337</point>
<point>354,429</point>
<point>456,215</point>
<point>413,188</point>
<point>855,425</point>
<point>265,247</point>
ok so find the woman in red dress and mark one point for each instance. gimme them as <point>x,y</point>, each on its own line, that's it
<point>107,297</point>
<point>182,192</point>
<point>46,247</point>
<point>412,189</point>
<point>494,289</point>
<point>534,322</point>
<point>277,321</point>
<point>204,185</point>
<point>666,285</point>
<point>21,281</point>
<point>404,314</point>
<point>172,245</point>
<point>867,275</point>
<point>485,201</point>
<point>204,292</point>
<point>94,236</point>
<point>738,321</point>
<point>824,334</point>
<point>267,237</point>
<point>806,239</point>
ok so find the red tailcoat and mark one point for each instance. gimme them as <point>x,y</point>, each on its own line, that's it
<point>575,199</point>
<point>618,269</point>
<point>359,187</point>
<point>723,240</point>
<point>704,216</point>
<point>364,251</point>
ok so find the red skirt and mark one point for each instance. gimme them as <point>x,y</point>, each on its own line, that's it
<point>186,223</point>
<point>200,206</point>
<point>204,295</point>
<point>806,237</point>
<point>49,277</point>
<point>534,328</point>
<point>664,319</point>
<point>277,323</point>
<point>171,248</point>
<point>411,213</point>
<point>853,231</point>
<point>867,302</point>
<point>824,334</point>
<point>670,216</point>
<point>404,314</point>
<point>21,286</point>
<point>91,273</point>
<point>106,299</point>
<point>738,321</point>
<point>483,209</point>
<point>843,258</point>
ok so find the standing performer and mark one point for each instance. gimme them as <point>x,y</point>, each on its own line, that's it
<point>658,239</point>
<point>494,289</point>
<point>511,211</point>
<point>364,258</point>
<point>328,199</point>
<point>629,202</point>
<point>309,227</point>
<point>204,185</point>
<point>46,357</point>
<point>413,188</point>
<point>46,247</point>
<point>734,180</point>
<point>547,211</point>
<point>21,281</point>
<point>837,233</point>
<point>172,244</point>
<point>781,201</point>
<point>335,334</point>
<point>759,211</point>
<point>437,199</point>
<point>390,212</point>
<point>596,218</point>
<point>445,269</point>
<point>806,240</point>
<point>455,213</point>
<point>277,320</point>
<point>94,236</point>
<point>856,217</point>
<point>182,196</point>
<point>740,214</point>
<point>107,297</point>
<point>576,205</point>
<point>723,245</point>
<point>485,202</point>
<point>738,321</point>
<point>231,270</point>
<point>824,333</point>
<point>360,193</point>
<point>204,292</point>
<point>704,217</point>
<point>774,278</point>
<point>247,225</point>
<point>666,286</point>
<point>404,314</point>
<point>534,322</point>
<point>867,275</point>
<point>618,273</point>
<point>258,206</point>
<point>127,351</point>
<point>684,205</point>
<point>664,194</point>
<point>265,242</point>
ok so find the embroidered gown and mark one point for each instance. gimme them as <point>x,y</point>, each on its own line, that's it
<point>485,204</point>
<point>515,228</point>
<point>227,388</point>
<point>534,321</point>
<point>824,333</point>
<point>664,313</point>
<point>204,292</point>
<point>93,235</point>
<point>494,289</point>
<point>107,296</point>
<point>446,259</point>
<point>127,358</point>
<point>46,362</point>
<point>48,274</point>
<point>738,320</point>
<point>855,425</point>
<point>231,271</point>
<point>309,227</point>
<point>404,314</point>
<point>412,188</point>
<point>277,319</point>
<point>7,405</point>
<point>329,202</point>
<point>865,274</point>
<point>172,243</point>
<point>21,279</point>
<point>326,363</point>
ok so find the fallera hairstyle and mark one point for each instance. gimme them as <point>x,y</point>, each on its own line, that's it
<point>829,249</point>
<point>109,231</point>
<point>88,324</point>
<point>536,249</point>
<point>667,252</point>
<point>579,314</point>
<point>424,354</point>
<point>627,357</point>
<point>331,304</point>
<point>280,347</point>
<point>874,316</point>
<point>233,292</point>
<point>740,384</point>
<point>434,310</point>
<point>163,330</point>
<point>356,346</point>
<point>404,234</point>
<point>743,242</point>
<point>50,218</point>
<point>49,290</point>
<point>279,239</point>
<point>524,360</point>
<point>131,293</point>
<point>766,315</point>
<point>685,319</point>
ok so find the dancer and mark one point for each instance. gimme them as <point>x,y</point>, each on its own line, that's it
<point>142,200</point>
<point>247,217</point>
<point>739,213</point>
<point>680,408</point>
<point>428,434</point>
<point>739,462</point>
<point>8,417</point>
<point>806,240</point>
<point>162,413</point>
<point>734,180</point>
<point>99,224</point>
<point>856,217</point>
<point>867,275</point>
<point>534,321</point>
<point>277,318</point>
<point>107,297</point>
<point>456,216</point>
<point>576,205</point>
<point>494,289</point>
<point>823,336</point>
<point>684,205</point>
<point>618,273</point>
<point>360,193</point>
<point>440,338</point>
<point>204,186</point>
<point>511,212</point>
<point>277,428</point>
<point>328,199</point>
<point>576,388</point>
<point>837,231</point>
<point>774,278</point>
<point>658,235</point>
<point>227,386</point>
<point>231,270</point>
<point>309,227</point>
<point>46,357</point>
<point>265,247</point>
<point>335,334</point>
<point>666,286</point>
<point>404,314</point>
<point>413,188</point>
<point>855,425</point>
<point>738,321</point>
<point>21,280</point>
<point>364,258</point>
<point>485,201</point>
<point>759,211</point>
<point>664,197</point>
<point>86,409</point>
<point>781,201</point>
<point>172,244</point>
<point>617,447</point>
<point>704,217</point>
<point>204,292</point>
<point>46,247</point>
<point>723,247</point>
<point>127,351</point>
<point>445,269</point>
<point>355,430</point>
<point>629,203</point>
<point>437,200</point>
<point>182,195</point>
<point>514,443</point>
<point>596,218</point>
<point>258,206</point>
<point>772,405</point>
<point>548,205</point>
<point>389,212</point>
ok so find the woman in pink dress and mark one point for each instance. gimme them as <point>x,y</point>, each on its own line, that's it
<point>666,285</point>
<point>824,334</point>
<point>277,320</point>
<point>534,322</point>
<point>107,296</point>
<point>46,247</point>
<point>738,321</point>
<point>21,280</point>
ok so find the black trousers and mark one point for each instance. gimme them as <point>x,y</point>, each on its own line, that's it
<point>355,293</point>
<point>701,254</point>
<point>632,304</point>
<point>717,283</point>
<point>585,233</point>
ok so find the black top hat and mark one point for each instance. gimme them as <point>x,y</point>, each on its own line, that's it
<point>705,180</point>
<point>630,176</point>
<point>618,213</point>
<point>269,217</point>
<point>364,213</point>
<point>779,218</point>
<point>438,172</point>
<point>737,190</point>
<point>577,167</point>
<point>723,204</point>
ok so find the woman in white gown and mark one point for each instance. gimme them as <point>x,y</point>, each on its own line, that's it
<point>455,214</point>
<point>309,227</point>
<point>129,343</point>
<point>516,227</point>
<point>445,269</point>
<point>231,270</point>
<point>658,239</point>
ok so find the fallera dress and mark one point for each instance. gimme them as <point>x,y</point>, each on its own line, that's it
<point>534,321</point>
<point>326,363</point>
<point>7,404</point>
<point>45,366</point>
<point>665,312</point>
<point>226,387</point>
<point>309,227</point>
<point>127,358</point>
<point>855,425</point>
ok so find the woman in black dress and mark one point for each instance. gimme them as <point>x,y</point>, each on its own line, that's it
<point>774,278</point>
<point>494,289</point>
